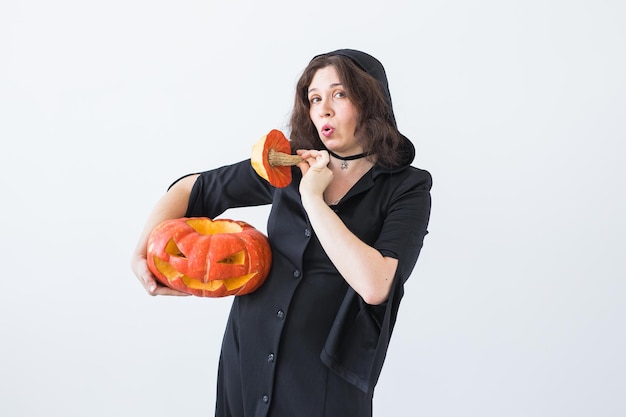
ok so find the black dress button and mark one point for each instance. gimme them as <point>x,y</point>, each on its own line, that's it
<point>307,232</point>
<point>266,399</point>
<point>296,274</point>
<point>280,314</point>
<point>270,357</point>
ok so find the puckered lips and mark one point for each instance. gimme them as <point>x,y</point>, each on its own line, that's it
<point>327,130</point>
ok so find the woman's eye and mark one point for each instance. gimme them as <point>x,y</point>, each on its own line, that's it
<point>314,100</point>
<point>340,94</point>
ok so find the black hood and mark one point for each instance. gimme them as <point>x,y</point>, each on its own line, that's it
<point>375,68</point>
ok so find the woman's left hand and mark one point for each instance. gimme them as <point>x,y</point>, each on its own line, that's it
<point>316,176</point>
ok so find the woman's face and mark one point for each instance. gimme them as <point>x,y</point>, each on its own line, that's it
<point>332,112</point>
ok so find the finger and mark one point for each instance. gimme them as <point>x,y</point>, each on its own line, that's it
<point>321,159</point>
<point>169,291</point>
<point>149,283</point>
<point>304,167</point>
<point>154,288</point>
<point>311,153</point>
<point>147,279</point>
<point>324,157</point>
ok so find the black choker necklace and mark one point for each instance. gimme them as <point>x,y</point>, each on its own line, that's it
<point>344,159</point>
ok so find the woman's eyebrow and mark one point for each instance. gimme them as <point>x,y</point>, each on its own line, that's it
<point>333,85</point>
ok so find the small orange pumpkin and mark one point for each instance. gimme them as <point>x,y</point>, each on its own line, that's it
<point>209,258</point>
<point>272,160</point>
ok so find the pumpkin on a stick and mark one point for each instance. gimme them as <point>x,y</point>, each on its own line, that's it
<point>272,159</point>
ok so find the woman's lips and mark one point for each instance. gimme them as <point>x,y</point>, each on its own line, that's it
<point>327,130</point>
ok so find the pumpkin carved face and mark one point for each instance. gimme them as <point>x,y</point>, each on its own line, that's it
<point>209,258</point>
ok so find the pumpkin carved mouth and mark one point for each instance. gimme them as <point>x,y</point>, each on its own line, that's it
<point>209,258</point>
<point>172,274</point>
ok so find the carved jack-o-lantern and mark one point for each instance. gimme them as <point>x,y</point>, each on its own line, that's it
<point>209,258</point>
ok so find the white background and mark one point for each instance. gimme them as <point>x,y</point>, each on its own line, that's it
<point>518,109</point>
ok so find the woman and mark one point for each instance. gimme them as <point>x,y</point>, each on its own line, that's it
<point>345,236</point>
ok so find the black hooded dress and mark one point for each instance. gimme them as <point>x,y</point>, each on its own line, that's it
<point>306,344</point>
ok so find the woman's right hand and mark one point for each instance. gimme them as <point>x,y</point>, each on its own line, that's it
<point>171,206</point>
<point>139,265</point>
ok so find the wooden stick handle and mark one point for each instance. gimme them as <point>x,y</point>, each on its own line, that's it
<point>282,159</point>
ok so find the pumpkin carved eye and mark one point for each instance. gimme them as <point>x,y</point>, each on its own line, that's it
<point>238,258</point>
<point>173,250</point>
<point>209,258</point>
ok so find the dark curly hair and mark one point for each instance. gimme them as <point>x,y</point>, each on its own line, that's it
<point>376,129</point>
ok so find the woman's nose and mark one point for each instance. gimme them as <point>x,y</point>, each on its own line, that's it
<point>325,110</point>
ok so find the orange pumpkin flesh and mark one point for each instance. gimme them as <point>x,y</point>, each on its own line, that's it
<point>209,258</point>
<point>272,159</point>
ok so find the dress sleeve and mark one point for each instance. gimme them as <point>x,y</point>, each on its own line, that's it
<point>230,186</point>
<point>357,344</point>
<point>406,222</point>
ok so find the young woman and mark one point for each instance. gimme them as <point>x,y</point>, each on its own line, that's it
<point>345,236</point>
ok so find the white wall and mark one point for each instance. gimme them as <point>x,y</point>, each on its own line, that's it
<point>516,307</point>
